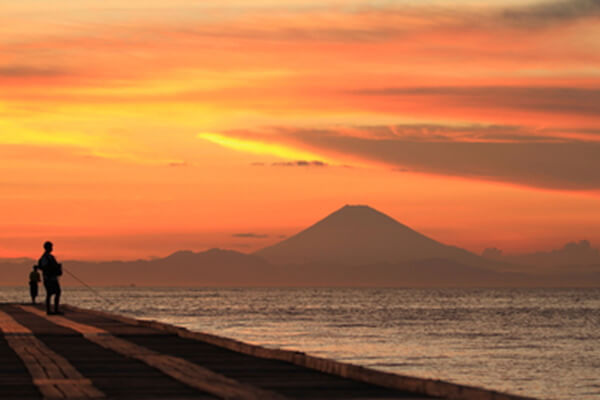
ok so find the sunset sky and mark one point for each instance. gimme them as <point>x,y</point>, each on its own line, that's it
<point>134,129</point>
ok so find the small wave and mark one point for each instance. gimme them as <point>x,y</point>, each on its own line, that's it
<point>428,358</point>
<point>465,335</point>
<point>590,393</point>
<point>361,358</point>
<point>357,325</point>
<point>389,365</point>
<point>514,347</point>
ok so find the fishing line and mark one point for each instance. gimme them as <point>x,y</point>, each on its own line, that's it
<point>89,287</point>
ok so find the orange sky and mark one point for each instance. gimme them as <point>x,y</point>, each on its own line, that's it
<point>134,131</point>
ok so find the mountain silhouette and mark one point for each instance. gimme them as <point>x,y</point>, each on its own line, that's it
<point>214,267</point>
<point>572,254</point>
<point>354,246</point>
<point>360,235</point>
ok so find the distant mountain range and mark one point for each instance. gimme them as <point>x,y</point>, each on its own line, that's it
<point>572,255</point>
<point>361,235</point>
<point>354,246</point>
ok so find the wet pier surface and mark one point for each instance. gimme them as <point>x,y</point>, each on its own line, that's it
<point>89,354</point>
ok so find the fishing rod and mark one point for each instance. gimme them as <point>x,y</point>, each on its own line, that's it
<point>89,287</point>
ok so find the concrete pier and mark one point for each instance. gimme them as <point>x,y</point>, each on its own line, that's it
<point>88,354</point>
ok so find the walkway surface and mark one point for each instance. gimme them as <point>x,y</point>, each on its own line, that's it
<point>82,355</point>
<point>88,354</point>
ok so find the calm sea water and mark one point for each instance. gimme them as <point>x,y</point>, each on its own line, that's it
<point>535,342</point>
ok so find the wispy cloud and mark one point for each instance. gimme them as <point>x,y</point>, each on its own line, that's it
<point>385,22</point>
<point>297,163</point>
<point>509,154</point>
<point>547,99</point>
<point>546,12</point>
<point>250,235</point>
<point>254,146</point>
<point>23,71</point>
<point>300,163</point>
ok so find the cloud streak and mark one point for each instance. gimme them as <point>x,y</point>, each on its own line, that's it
<point>23,71</point>
<point>250,235</point>
<point>546,99</point>
<point>299,163</point>
<point>547,12</point>
<point>507,154</point>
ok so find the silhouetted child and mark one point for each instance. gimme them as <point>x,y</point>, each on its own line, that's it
<point>52,270</point>
<point>34,279</point>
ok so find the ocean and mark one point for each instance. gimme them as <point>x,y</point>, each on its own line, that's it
<point>535,342</point>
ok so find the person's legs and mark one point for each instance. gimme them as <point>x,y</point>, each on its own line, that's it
<point>50,290</point>
<point>32,293</point>
<point>48,295</point>
<point>57,298</point>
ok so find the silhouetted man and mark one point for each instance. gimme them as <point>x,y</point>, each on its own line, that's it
<point>34,279</point>
<point>52,270</point>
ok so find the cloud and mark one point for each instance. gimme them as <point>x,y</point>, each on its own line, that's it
<point>511,154</point>
<point>250,235</point>
<point>570,100</point>
<point>438,132</point>
<point>274,30</point>
<point>571,165</point>
<point>384,22</point>
<point>299,163</point>
<point>178,164</point>
<point>571,254</point>
<point>552,11</point>
<point>253,146</point>
<point>22,71</point>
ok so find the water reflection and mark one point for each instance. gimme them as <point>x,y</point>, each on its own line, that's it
<point>543,343</point>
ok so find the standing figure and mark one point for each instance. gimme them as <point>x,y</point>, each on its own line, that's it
<point>34,279</point>
<point>51,271</point>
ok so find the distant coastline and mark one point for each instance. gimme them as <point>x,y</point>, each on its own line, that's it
<point>356,246</point>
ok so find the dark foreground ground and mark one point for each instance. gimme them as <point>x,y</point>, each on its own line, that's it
<point>86,354</point>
